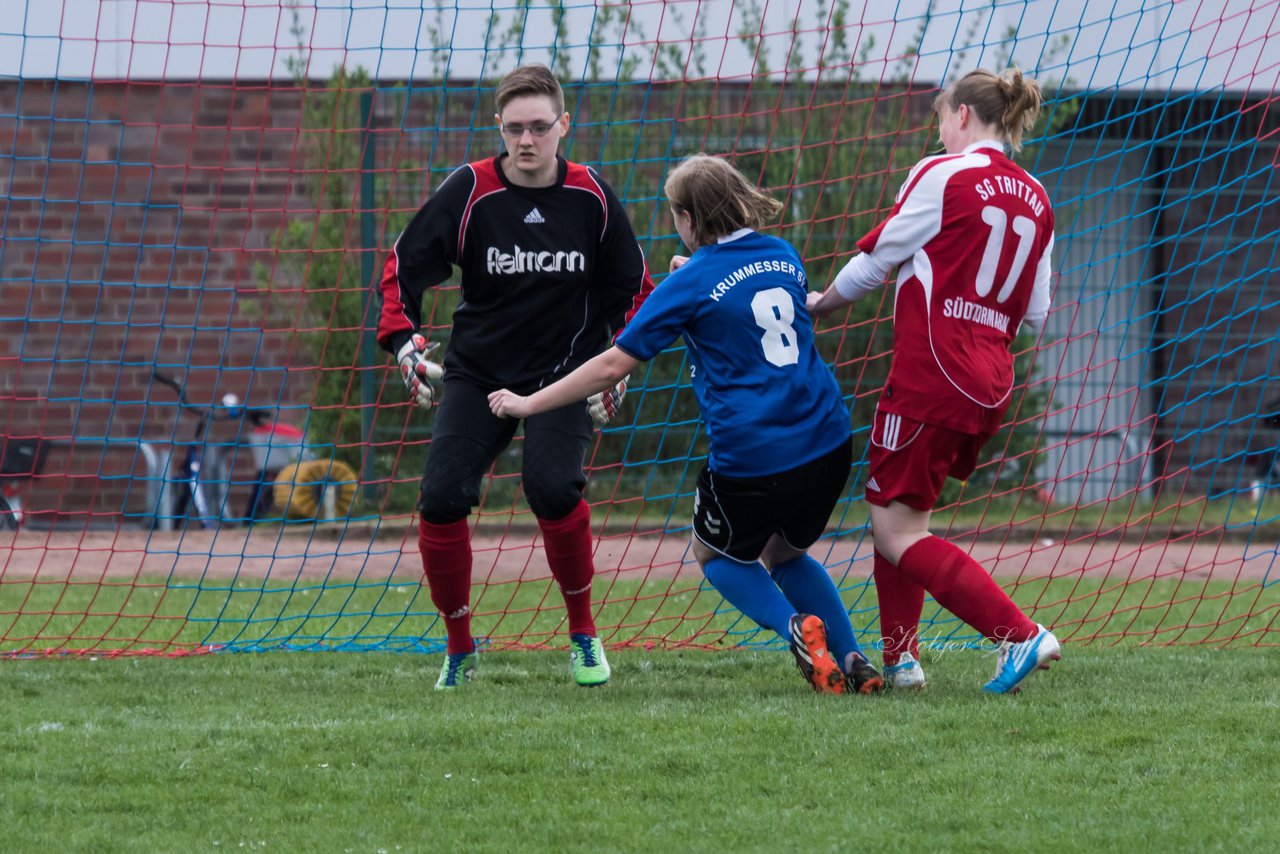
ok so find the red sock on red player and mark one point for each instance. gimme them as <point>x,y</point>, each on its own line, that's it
<point>900,600</point>
<point>963,587</point>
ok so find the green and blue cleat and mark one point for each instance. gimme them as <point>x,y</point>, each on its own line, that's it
<point>587,662</point>
<point>458,669</point>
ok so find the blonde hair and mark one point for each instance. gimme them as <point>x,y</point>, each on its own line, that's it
<point>718,198</point>
<point>530,80</point>
<point>1010,100</point>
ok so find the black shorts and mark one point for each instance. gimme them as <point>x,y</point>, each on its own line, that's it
<point>736,516</point>
<point>467,438</point>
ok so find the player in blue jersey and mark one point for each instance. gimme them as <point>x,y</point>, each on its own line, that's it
<point>769,485</point>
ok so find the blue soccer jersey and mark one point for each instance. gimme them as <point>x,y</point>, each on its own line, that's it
<point>768,400</point>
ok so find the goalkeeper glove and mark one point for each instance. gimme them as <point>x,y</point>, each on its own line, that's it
<point>603,405</point>
<point>419,373</point>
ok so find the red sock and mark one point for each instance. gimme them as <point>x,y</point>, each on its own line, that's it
<point>567,542</point>
<point>446,562</point>
<point>901,601</point>
<point>964,588</point>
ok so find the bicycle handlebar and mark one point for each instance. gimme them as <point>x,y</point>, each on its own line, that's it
<point>1272,417</point>
<point>210,413</point>
<point>172,383</point>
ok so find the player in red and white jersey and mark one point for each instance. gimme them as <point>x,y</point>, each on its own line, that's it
<point>550,272</point>
<point>970,237</point>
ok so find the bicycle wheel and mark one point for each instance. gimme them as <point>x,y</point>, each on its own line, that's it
<point>8,517</point>
<point>215,482</point>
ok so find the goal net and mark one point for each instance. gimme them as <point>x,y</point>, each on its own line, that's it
<point>204,449</point>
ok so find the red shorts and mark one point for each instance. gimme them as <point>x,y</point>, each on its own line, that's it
<point>908,460</point>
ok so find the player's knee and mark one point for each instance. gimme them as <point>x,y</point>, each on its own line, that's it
<point>443,506</point>
<point>702,553</point>
<point>443,515</point>
<point>552,501</point>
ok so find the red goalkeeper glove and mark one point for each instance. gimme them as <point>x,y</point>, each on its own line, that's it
<point>603,405</point>
<point>420,375</point>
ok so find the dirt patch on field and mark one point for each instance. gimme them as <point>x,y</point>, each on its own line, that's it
<point>281,554</point>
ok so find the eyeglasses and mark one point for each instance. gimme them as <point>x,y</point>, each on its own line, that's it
<point>537,129</point>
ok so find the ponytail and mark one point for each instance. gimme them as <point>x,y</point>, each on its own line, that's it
<point>1010,101</point>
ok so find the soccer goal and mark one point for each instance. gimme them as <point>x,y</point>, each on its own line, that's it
<point>210,192</point>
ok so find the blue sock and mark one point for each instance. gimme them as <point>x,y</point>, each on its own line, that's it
<point>806,583</point>
<point>748,587</point>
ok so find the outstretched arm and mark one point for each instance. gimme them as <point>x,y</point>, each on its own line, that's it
<point>602,372</point>
<point>863,274</point>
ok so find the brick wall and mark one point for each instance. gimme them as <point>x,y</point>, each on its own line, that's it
<point>135,218</point>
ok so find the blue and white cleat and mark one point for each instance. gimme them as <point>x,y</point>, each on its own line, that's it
<point>906,675</point>
<point>1018,660</point>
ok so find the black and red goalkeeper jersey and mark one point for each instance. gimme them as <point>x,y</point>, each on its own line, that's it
<point>549,274</point>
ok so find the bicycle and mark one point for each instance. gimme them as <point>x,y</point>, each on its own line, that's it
<point>20,460</point>
<point>290,482</point>
<point>202,477</point>
<point>1266,463</point>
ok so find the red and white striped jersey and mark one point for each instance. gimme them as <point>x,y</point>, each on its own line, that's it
<point>971,235</point>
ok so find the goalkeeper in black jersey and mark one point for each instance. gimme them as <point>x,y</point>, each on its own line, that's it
<point>550,271</point>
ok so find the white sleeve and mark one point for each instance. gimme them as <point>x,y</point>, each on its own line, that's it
<point>917,220</point>
<point>1038,307</point>
<point>862,275</point>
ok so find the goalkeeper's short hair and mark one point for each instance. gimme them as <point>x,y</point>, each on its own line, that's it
<point>530,80</point>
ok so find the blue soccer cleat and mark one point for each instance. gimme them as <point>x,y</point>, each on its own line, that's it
<point>1017,661</point>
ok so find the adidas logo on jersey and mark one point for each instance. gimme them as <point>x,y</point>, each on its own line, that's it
<point>872,486</point>
<point>534,217</point>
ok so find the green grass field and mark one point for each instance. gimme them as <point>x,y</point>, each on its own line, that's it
<point>1119,747</point>
<point>1114,749</point>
